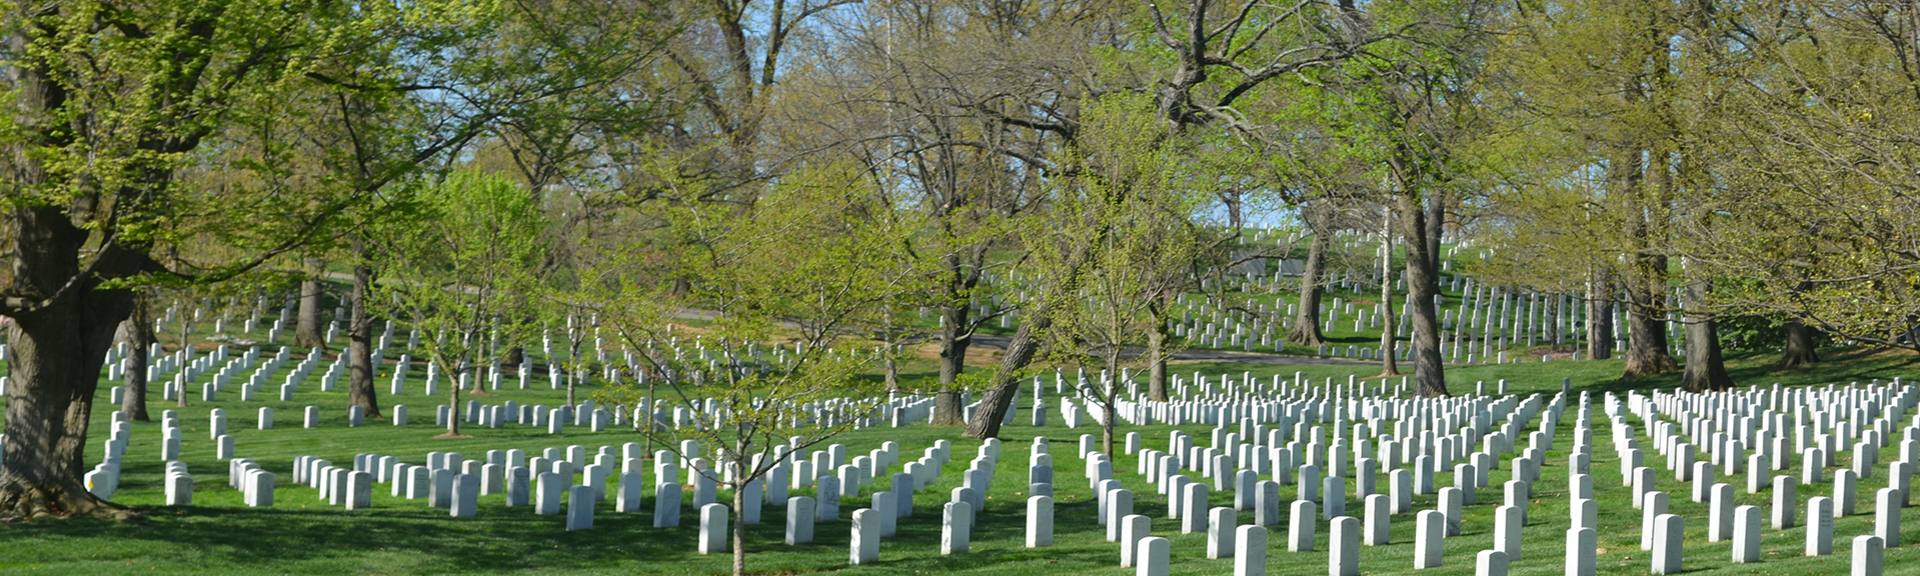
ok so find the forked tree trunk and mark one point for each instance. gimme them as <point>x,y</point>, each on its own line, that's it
<point>1423,283</point>
<point>1800,350</point>
<point>56,351</point>
<point>307,332</point>
<point>1306,319</point>
<point>360,380</point>
<point>954,341</point>
<point>1234,199</point>
<point>1646,312</point>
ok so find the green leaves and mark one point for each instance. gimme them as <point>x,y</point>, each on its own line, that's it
<point>461,267</point>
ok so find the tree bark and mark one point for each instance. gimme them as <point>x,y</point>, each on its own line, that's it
<point>1800,350</point>
<point>360,380</point>
<point>55,367</point>
<point>1160,310</point>
<point>955,338</point>
<point>1599,317</point>
<point>1389,365</point>
<point>1157,365</point>
<point>1646,320</point>
<point>1706,370</point>
<point>1436,226</point>
<point>744,474</point>
<point>947,408</point>
<point>892,370</point>
<point>307,332</point>
<point>999,399</point>
<point>55,370</point>
<point>1108,393</point>
<point>1423,283</point>
<point>453,400</point>
<point>139,332</point>
<point>1306,319</point>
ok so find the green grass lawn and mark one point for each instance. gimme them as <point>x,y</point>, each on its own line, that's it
<point>302,535</point>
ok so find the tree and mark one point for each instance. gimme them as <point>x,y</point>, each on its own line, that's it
<point>541,75</point>
<point>803,262</point>
<point>462,263</point>
<point>94,211</point>
<point>1596,96</point>
<point>1406,105</point>
<point>1813,195</point>
<point>1313,276</point>
<point>1705,370</point>
<point>1387,341</point>
<point>964,141</point>
<point>1122,238</point>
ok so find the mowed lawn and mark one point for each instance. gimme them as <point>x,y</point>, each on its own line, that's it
<point>303,535</point>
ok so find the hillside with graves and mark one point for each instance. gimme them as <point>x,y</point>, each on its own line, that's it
<point>865,287</point>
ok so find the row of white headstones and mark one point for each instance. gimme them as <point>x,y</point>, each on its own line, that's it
<point>1673,418</point>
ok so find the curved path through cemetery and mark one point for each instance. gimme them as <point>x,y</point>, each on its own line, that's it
<point>1000,342</point>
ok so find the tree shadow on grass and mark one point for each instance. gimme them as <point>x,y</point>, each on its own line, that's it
<point>1837,366</point>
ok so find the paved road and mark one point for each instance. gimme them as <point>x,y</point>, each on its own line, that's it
<point>1000,342</point>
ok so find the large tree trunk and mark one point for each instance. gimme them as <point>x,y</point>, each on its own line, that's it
<point>1706,371</point>
<point>1646,319</point>
<point>1306,319</point>
<point>955,338</point>
<point>138,329</point>
<point>56,352</point>
<point>1423,283</point>
<point>999,399</point>
<point>360,380</point>
<point>57,347</point>
<point>1647,279</point>
<point>1599,317</point>
<point>307,332</point>
<point>55,371</point>
<point>947,409</point>
<point>1800,350</point>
